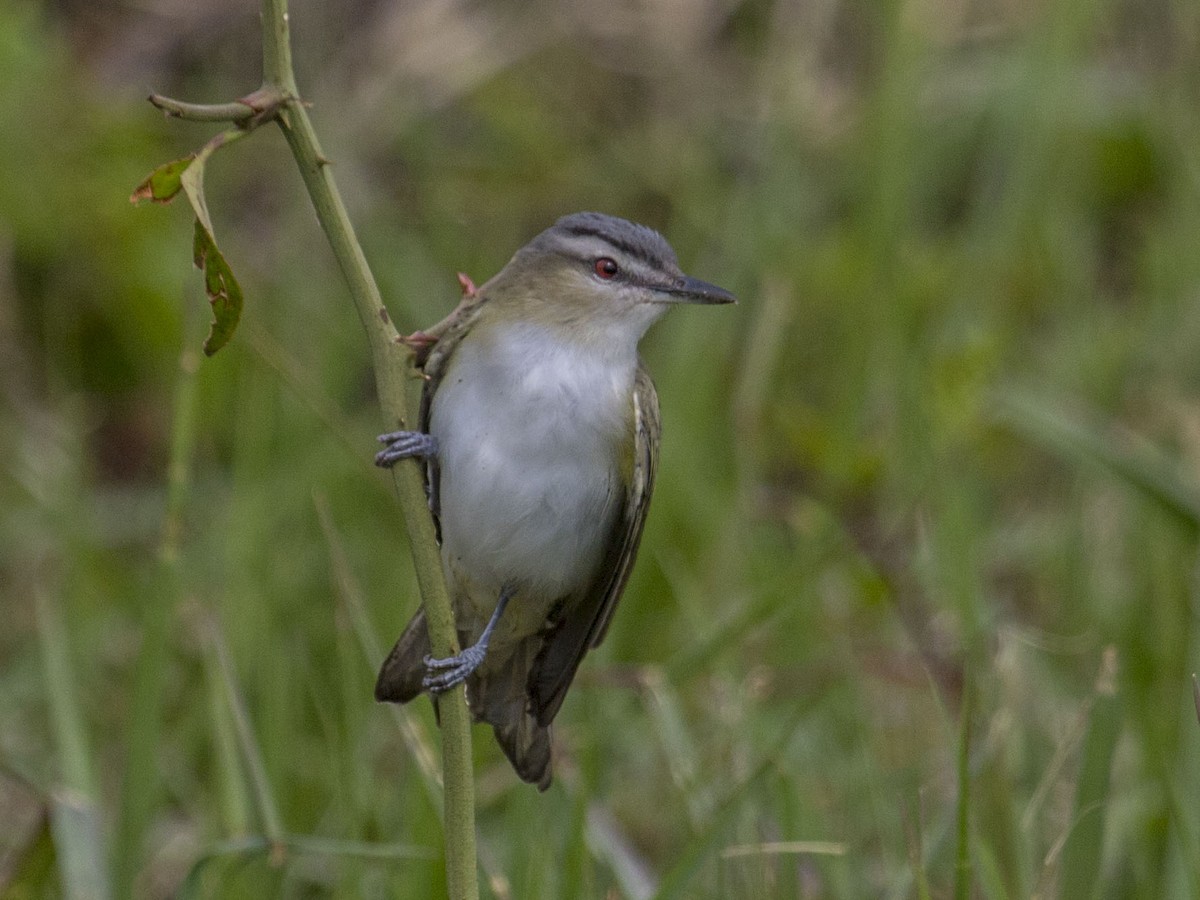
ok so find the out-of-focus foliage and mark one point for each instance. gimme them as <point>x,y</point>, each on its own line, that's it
<point>941,458</point>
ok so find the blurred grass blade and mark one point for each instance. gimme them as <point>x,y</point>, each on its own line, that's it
<point>1072,736</point>
<point>915,843</point>
<point>255,845</point>
<point>24,872</point>
<point>243,847</point>
<point>962,853</point>
<point>1183,813</point>
<point>678,745</point>
<point>988,870</point>
<point>416,739</point>
<point>767,342</point>
<point>732,626</point>
<point>1132,460</point>
<point>140,782</point>
<point>676,882</point>
<point>66,714</point>
<point>607,842</point>
<point>1196,696</point>
<point>323,846</point>
<point>74,820</point>
<point>785,848</point>
<point>678,879</point>
<point>79,846</point>
<point>268,809</point>
<point>235,795</point>
<point>1080,868</point>
<point>292,373</point>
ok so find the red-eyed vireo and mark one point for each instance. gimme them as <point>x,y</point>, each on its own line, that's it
<point>540,428</point>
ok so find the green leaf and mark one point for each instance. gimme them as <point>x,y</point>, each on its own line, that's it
<point>163,183</point>
<point>187,174</point>
<point>224,292</point>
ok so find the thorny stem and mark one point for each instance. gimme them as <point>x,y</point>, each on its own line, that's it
<point>397,376</point>
<point>394,374</point>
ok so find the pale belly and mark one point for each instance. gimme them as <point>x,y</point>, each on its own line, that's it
<point>530,485</point>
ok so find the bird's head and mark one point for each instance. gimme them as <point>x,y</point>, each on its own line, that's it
<point>599,276</point>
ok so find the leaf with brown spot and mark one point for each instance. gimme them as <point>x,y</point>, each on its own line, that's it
<point>187,174</point>
<point>163,183</point>
<point>224,292</point>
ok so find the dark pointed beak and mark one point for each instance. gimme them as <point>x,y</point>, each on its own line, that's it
<point>685,289</point>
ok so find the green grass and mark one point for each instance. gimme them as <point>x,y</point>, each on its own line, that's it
<point>916,610</point>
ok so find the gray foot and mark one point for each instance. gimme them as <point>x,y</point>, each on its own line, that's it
<point>443,674</point>
<point>404,445</point>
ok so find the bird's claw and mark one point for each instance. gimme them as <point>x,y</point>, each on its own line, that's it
<point>443,674</point>
<point>404,445</point>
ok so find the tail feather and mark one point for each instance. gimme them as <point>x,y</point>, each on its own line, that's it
<point>527,746</point>
<point>401,673</point>
<point>498,696</point>
<point>501,698</point>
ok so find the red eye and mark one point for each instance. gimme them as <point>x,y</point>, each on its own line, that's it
<point>606,267</point>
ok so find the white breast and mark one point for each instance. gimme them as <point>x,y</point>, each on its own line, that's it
<point>529,429</point>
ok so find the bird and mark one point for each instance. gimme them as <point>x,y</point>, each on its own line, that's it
<point>539,432</point>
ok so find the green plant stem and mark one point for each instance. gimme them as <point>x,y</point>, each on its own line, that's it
<point>396,378</point>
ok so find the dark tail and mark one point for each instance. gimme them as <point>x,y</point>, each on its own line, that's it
<point>499,698</point>
<point>401,673</point>
<point>527,746</point>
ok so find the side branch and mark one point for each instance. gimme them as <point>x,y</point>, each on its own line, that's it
<point>202,112</point>
<point>246,112</point>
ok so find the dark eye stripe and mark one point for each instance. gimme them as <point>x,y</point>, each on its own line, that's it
<point>636,251</point>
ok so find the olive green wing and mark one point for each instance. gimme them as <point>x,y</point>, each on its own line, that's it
<point>584,625</point>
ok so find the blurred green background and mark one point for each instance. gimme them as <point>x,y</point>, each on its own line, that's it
<point>927,511</point>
